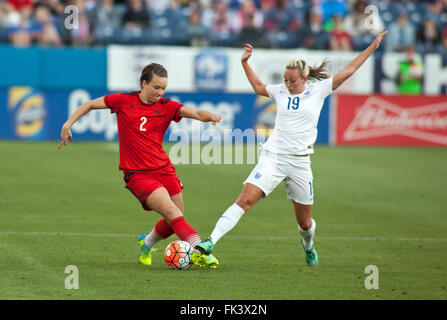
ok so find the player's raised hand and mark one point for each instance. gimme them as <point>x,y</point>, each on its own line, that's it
<point>216,119</point>
<point>378,40</point>
<point>248,48</point>
<point>66,137</point>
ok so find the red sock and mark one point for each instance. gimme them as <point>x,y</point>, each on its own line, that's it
<point>184,231</point>
<point>163,229</point>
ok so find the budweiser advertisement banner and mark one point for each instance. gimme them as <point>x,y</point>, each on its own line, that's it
<point>391,120</point>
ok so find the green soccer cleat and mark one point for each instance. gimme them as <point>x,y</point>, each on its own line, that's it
<point>205,260</point>
<point>145,252</point>
<point>311,256</point>
<point>205,247</point>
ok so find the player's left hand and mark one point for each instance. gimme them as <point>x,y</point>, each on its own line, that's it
<point>378,40</point>
<point>216,119</point>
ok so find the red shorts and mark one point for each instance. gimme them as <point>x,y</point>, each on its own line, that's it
<point>142,184</point>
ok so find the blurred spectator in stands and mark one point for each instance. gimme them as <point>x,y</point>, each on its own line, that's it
<point>21,33</point>
<point>107,14</point>
<point>185,3</point>
<point>312,35</point>
<point>19,4</point>
<point>206,4</point>
<point>235,4</point>
<point>2,13</point>
<point>280,18</point>
<point>223,20</point>
<point>47,33</point>
<point>195,4</point>
<point>401,34</point>
<point>208,12</point>
<point>186,7</point>
<point>55,6</point>
<point>428,36</point>
<point>265,5</point>
<point>410,74</point>
<point>159,5</point>
<point>358,23</point>
<point>331,8</point>
<point>136,17</point>
<point>252,34</point>
<point>281,25</point>
<point>435,8</point>
<point>81,36</point>
<point>339,40</point>
<point>196,32</point>
<point>444,41</point>
<point>9,16</point>
<point>219,18</point>
<point>248,14</point>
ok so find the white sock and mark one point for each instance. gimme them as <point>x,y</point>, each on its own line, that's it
<point>308,235</point>
<point>226,222</point>
<point>152,238</point>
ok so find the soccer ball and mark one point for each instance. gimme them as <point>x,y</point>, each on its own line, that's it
<point>178,255</point>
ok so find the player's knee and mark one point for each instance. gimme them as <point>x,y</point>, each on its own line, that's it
<point>245,202</point>
<point>306,224</point>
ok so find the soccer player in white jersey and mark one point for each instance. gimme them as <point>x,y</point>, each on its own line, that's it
<point>285,155</point>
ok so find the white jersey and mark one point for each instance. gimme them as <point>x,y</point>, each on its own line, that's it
<point>297,116</point>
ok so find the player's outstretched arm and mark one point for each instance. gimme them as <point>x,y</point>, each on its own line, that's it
<point>83,109</point>
<point>353,66</point>
<point>201,115</point>
<point>258,86</point>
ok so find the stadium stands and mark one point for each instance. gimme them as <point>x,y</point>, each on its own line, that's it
<point>277,23</point>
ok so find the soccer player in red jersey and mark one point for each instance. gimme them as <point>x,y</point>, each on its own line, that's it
<point>143,118</point>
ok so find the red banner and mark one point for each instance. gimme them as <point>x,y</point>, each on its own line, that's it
<point>391,120</point>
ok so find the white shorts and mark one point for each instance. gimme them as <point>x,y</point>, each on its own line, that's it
<point>273,168</point>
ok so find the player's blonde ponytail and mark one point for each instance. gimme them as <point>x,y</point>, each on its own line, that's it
<point>311,72</point>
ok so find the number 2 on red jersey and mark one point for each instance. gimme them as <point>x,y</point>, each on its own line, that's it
<point>143,122</point>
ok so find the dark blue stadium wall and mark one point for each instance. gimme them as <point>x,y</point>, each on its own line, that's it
<point>28,113</point>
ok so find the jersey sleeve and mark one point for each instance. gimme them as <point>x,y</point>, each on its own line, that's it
<point>113,101</point>
<point>325,87</point>
<point>174,110</point>
<point>272,90</point>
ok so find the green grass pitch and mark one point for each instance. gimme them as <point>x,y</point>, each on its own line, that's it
<point>385,207</point>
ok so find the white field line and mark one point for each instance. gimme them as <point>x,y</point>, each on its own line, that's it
<point>127,235</point>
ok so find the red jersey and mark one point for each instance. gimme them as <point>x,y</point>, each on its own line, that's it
<point>141,127</point>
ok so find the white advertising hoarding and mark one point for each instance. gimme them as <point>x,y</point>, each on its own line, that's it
<point>220,70</point>
<point>125,63</point>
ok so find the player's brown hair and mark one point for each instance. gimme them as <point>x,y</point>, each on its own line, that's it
<point>311,72</point>
<point>149,71</point>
